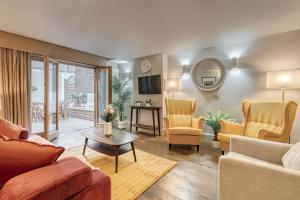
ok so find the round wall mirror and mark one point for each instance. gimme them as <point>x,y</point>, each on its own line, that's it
<point>209,74</point>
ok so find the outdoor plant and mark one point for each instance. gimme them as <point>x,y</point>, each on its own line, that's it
<point>108,114</point>
<point>213,120</point>
<point>79,98</point>
<point>121,95</point>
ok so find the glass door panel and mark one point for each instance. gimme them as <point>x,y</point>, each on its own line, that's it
<point>37,95</point>
<point>104,77</point>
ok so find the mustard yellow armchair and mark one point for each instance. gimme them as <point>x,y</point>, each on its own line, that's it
<point>181,125</point>
<point>262,120</point>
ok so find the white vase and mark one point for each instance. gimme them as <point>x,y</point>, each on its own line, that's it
<point>215,144</point>
<point>148,105</point>
<point>107,128</point>
<point>121,124</point>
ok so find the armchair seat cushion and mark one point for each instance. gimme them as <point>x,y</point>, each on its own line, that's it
<point>226,137</point>
<point>184,131</point>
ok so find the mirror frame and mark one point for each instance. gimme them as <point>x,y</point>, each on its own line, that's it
<point>214,87</point>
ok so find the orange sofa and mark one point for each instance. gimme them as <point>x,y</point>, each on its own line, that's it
<point>67,178</point>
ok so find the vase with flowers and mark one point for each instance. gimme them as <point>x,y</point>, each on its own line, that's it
<point>108,116</point>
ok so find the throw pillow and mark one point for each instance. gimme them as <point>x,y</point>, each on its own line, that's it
<point>19,156</point>
<point>291,159</point>
<point>9,129</point>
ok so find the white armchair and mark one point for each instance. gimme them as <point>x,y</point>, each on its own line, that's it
<point>253,170</point>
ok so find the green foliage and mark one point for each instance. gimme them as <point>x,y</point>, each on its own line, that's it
<point>109,114</point>
<point>121,95</point>
<point>108,117</point>
<point>213,120</point>
<point>79,98</point>
<point>149,101</point>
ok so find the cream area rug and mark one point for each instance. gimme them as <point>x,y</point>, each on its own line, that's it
<point>132,178</point>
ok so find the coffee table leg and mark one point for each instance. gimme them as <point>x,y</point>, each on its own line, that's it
<point>133,150</point>
<point>84,147</point>
<point>116,158</point>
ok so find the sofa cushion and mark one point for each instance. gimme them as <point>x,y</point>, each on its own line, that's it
<point>18,156</point>
<point>100,188</point>
<point>184,131</point>
<point>11,130</point>
<point>58,181</point>
<point>291,158</point>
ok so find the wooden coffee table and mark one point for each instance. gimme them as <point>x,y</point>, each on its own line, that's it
<point>118,143</point>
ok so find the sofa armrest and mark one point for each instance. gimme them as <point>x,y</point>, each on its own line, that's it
<point>198,122</point>
<point>168,122</point>
<point>60,180</point>
<point>240,178</point>
<point>228,127</point>
<point>260,149</point>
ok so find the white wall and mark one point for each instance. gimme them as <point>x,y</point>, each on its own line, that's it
<point>159,66</point>
<point>277,52</point>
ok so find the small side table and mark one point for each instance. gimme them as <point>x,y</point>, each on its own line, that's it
<point>144,126</point>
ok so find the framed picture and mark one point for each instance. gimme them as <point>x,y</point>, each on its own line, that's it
<point>209,81</point>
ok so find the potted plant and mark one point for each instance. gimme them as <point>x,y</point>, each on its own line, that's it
<point>78,98</point>
<point>108,116</point>
<point>213,120</point>
<point>121,95</point>
<point>149,103</point>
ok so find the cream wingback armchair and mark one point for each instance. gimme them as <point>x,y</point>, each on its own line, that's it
<point>262,120</point>
<point>181,125</point>
<point>258,170</point>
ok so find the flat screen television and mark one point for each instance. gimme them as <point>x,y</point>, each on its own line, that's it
<point>150,84</point>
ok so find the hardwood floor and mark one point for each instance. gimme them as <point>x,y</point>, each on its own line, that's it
<point>195,176</point>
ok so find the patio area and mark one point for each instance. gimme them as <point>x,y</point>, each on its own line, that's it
<point>66,126</point>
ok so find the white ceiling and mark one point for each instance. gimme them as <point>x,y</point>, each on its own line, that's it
<point>133,28</point>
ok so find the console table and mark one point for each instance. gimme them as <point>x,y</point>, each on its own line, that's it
<point>144,126</point>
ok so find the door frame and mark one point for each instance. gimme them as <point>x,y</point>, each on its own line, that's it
<point>46,59</point>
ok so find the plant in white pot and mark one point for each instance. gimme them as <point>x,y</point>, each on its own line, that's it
<point>121,95</point>
<point>108,116</point>
<point>213,120</point>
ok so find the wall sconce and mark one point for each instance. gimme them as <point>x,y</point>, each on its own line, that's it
<point>173,85</point>
<point>283,80</point>
<point>235,66</point>
<point>185,72</point>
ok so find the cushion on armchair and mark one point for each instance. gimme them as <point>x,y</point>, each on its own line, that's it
<point>18,156</point>
<point>291,159</point>
<point>184,131</point>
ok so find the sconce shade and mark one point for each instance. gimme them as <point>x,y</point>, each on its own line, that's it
<point>173,84</point>
<point>283,79</point>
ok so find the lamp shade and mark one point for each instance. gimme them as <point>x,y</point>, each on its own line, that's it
<point>173,84</point>
<point>283,79</point>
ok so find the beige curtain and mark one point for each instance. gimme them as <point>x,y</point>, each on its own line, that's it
<point>15,87</point>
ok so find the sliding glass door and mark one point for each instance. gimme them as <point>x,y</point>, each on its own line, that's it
<point>67,97</point>
<point>44,97</point>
